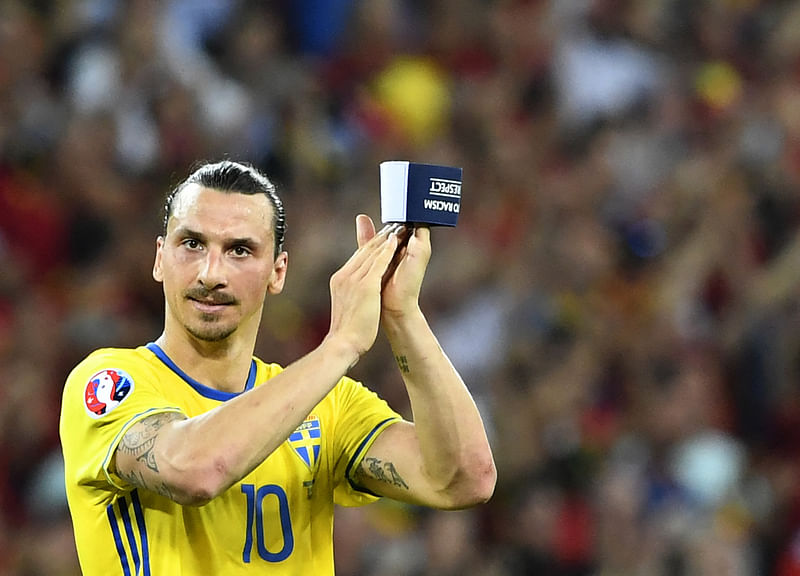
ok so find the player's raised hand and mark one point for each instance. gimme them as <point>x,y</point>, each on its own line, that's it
<point>401,287</point>
<point>402,281</point>
<point>356,287</point>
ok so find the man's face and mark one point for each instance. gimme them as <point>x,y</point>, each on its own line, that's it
<point>216,262</point>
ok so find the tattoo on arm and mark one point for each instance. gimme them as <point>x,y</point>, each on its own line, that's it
<point>402,363</point>
<point>136,478</point>
<point>382,471</point>
<point>140,442</point>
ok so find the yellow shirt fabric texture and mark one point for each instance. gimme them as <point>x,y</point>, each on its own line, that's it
<point>277,520</point>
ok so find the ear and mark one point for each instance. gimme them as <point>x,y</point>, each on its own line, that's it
<point>158,273</point>
<point>278,275</point>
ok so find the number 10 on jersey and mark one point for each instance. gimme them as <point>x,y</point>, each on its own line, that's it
<point>255,519</point>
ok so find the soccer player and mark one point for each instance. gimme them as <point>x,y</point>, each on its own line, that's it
<point>188,456</point>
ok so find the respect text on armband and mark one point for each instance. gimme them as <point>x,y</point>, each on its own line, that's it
<point>449,189</point>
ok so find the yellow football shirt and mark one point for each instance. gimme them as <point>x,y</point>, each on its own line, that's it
<point>277,520</point>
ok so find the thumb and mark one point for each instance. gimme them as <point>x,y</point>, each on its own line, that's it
<point>365,229</point>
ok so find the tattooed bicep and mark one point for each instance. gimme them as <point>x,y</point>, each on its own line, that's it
<point>145,431</point>
<point>380,470</point>
<point>136,459</point>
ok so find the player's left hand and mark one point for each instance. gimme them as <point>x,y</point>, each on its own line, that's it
<point>403,279</point>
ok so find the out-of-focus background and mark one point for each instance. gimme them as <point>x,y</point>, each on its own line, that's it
<point>621,294</point>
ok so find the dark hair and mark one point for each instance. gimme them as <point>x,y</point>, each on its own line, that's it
<point>242,178</point>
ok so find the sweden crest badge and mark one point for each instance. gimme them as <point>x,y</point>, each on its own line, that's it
<point>306,441</point>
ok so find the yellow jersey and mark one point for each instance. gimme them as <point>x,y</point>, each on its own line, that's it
<point>277,520</point>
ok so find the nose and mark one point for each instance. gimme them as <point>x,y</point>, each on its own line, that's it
<point>212,273</point>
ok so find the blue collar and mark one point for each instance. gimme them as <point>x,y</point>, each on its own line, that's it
<point>202,389</point>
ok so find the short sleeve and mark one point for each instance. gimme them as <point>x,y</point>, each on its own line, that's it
<point>104,396</point>
<point>361,415</point>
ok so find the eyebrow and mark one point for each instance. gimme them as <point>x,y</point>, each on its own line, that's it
<point>249,242</point>
<point>184,232</point>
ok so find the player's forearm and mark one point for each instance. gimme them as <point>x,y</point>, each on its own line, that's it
<point>455,450</point>
<point>203,456</point>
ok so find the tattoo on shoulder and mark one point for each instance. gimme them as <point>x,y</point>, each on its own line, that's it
<point>382,471</point>
<point>402,363</point>
<point>140,442</point>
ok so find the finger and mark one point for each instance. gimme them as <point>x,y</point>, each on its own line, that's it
<point>376,254</point>
<point>414,246</point>
<point>404,233</point>
<point>382,257</point>
<point>422,233</point>
<point>419,239</point>
<point>364,254</point>
<point>399,254</point>
<point>365,229</point>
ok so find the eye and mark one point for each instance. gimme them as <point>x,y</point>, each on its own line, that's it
<point>240,250</point>
<point>192,243</point>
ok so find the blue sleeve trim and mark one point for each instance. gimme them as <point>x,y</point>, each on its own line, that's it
<point>358,456</point>
<point>114,443</point>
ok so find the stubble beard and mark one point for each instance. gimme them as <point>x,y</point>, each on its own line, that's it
<point>210,329</point>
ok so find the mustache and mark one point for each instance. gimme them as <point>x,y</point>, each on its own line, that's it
<point>209,296</point>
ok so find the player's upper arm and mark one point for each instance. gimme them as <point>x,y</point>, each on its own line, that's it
<point>146,458</point>
<point>393,467</point>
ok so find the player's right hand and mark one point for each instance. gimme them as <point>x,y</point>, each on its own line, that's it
<point>356,288</point>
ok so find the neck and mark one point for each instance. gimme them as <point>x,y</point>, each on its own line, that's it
<point>222,365</point>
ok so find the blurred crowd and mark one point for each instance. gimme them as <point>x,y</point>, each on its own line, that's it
<point>621,293</point>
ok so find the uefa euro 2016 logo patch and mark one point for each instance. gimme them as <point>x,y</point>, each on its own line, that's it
<point>105,391</point>
<point>306,441</point>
